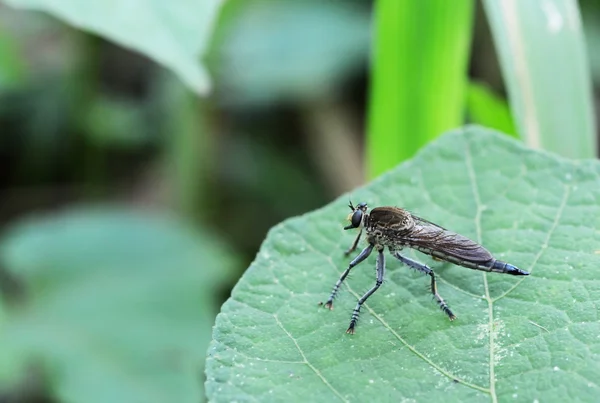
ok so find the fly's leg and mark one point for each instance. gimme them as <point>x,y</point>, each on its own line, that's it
<point>380,273</point>
<point>362,256</point>
<point>423,268</point>
<point>354,244</point>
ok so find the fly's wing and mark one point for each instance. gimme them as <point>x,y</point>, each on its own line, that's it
<point>434,240</point>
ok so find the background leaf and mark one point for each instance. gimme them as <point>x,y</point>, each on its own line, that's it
<point>529,338</point>
<point>173,34</point>
<point>542,52</point>
<point>487,109</point>
<point>271,40</point>
<point>12,68</point>
<point>116,305</point>
<point>419,76</point>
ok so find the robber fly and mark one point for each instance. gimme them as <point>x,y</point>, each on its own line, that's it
<point>395,228</point>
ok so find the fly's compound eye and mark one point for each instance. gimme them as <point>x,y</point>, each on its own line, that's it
<point>356,218</point>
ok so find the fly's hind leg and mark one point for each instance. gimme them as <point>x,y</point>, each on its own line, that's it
<point>423,268</point>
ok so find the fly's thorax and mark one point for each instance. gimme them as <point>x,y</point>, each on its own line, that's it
<point>384,237</point>
<point>376,237</point>
<point>405,225</point>
<point>390,218</point>
<point>384,226</point>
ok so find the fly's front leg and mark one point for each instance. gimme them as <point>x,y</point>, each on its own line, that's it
<point>378,282</point>
<point>354,244</point>
<point>423,268</point>
<point>362,256</point>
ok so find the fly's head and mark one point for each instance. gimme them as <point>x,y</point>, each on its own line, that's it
<point>358,218</point>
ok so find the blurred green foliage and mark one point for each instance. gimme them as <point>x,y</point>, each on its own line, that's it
<point>316,45</point>
<point>590,16</point>
<point>114,304</point>
<point>545,66</point>
<point>11,65</point>
<point>419,81</point>
<point>90,115</point>
<point>175,42</point>
<point>487,108</point>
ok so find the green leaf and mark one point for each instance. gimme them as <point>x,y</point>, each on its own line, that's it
<point>516,338</point>
<point>12,66</point>
<point>115,122</point>
<point>290,50</point>
<point>174,34</point>
<point>117,305</point>
<point>419,76</point>
<point>488,109</point>
<point>543,58</point>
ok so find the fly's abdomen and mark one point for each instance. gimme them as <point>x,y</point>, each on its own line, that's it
<point>496,266</point>
<point>474,262</point>
<point>499,266</point>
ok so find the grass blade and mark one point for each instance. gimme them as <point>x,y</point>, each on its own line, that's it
<point>418,76</point>
<point>544,63</point>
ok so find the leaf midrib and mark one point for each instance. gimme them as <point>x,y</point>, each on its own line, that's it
<point>488,298</point>
<point>490,302</point>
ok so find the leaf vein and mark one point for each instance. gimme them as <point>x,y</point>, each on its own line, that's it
<point>544,246</point>
<point>305,360</point>
<point>477,218</point>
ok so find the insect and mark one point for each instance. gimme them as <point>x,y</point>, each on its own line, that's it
<point>396,228</point>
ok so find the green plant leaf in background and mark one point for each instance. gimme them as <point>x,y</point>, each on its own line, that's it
<point>487,109</point>
<point>173,34</point>
<point>12,67</point>
<point>118,305</point>
<point>282,59</point>
<point>531,338</point>
<point>545,67</point>
<point>419,76</point>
